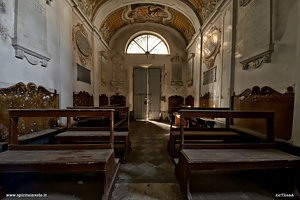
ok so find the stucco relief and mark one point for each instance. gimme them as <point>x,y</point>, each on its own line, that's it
<point>208,8</point>
<point>211,46</point>
<point>86,7</point>
<point>82,44</point>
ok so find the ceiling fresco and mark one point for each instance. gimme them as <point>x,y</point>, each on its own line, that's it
<point>141,13</point>
<point>145,12</point>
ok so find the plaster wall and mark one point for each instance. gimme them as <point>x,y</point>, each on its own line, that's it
<point>176,44</point>
<point>281,71</point>
<point>14,70</point>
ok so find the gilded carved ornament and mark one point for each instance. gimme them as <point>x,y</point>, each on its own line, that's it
<point>211,46</point>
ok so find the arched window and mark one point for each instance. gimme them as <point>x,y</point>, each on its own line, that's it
<point>147,44</point>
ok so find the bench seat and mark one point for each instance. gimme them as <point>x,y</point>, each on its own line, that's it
<point>229,159</point>
<point>62,158</point>
<point>94,136</point>
<point>223,136</point>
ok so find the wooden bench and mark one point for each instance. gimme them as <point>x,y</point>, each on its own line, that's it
<point>199,133</point>
<point>229,156</point>
<point>98,134</point>
<point>61,158</point>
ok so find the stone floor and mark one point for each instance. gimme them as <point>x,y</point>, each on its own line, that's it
<point>149,174</point>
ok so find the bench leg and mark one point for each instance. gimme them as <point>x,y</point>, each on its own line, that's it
<point>183,176</point>
<point>171,146</point>
<point>110,176</point>
<point>127,149</point>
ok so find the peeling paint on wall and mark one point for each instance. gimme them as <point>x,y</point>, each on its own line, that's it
<point>3,31</point>
<point>2,7</point>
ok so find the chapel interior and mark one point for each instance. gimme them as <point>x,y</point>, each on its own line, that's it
<point>150,99</point>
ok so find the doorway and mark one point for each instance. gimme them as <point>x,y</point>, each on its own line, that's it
<point>146,92</point>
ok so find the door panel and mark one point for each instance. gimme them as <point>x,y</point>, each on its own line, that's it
<point>140,93</point>
<point>154,94</point>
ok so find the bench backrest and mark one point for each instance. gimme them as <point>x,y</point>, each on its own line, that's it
<point>116,108</point>
<point>227,114</point>
<point>14,114</point>
<point>176,109</point>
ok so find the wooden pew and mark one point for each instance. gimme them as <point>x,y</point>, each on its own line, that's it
<point>61,158</point>
<point>199,133</point>
<point>229,156</point>
<point>98,134</point>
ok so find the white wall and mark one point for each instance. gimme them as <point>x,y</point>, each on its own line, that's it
<point>281,71</point>
<point>14,70</point>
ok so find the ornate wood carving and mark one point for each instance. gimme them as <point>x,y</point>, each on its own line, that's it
<point>119,100</point>
<point>175,101</point>
<point>103,100</point>
<point>21,96</point>
<point>189,100</point>
<point>267,99</point>
<point>83,99</point>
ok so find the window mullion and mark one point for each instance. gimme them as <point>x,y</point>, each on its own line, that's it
<point>140,46</point>
<point>155,46</point>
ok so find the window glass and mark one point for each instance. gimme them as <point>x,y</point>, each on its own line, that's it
<point>147,43</point>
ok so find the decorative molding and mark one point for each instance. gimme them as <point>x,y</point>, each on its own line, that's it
<point>85,7</point>
<point>257,61</point>
<point>82,44</point>
<point>208,8</point>
<point>118,76</point>
<point>211,46</point>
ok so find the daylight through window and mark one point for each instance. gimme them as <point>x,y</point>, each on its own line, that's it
<point>147,44</point>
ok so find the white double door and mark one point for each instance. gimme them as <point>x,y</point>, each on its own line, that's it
<point>146,87</point>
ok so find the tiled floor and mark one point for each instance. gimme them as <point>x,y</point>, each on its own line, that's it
<point>149,171</point>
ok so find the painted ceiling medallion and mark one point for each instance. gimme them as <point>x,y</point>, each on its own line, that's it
<point>211,46</point>
<point>147,13</point>
<point>82,44</point>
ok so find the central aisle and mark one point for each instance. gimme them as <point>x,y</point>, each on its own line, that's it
<point>149,171</point>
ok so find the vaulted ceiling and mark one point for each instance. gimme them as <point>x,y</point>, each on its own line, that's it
<point>186,16</point>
